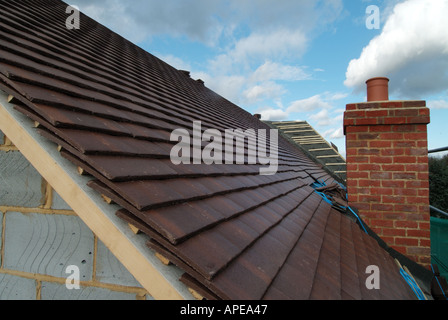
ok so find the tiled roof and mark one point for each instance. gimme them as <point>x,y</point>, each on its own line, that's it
<point>313,144</point>
<point>111,107</point>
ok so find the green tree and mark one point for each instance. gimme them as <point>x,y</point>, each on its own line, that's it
<point>438,182</point>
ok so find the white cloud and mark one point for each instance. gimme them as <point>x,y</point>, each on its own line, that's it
<point>281,43</point>
<point>338,96</point>
<point>334,133</point>
<point>412,50</point>
<point>276,71</point>
<point>323,118</point>
<point>437,104</point>
<point>138,20</point>
<point>317,108</point>
<point>274,115</point>
<point>265,90</point>
<point>257,51</point>
<point>175,62</point>
<point>310,104</point>
<point>229,86</point>
<point>207,21</point>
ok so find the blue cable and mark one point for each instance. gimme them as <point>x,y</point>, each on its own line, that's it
<point>412,284</point>
<point>359,219</point>
<point>320,184</point>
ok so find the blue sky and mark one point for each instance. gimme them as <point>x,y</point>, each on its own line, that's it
<point>296,59</point>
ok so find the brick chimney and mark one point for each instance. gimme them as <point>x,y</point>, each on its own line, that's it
<point>387,169</point>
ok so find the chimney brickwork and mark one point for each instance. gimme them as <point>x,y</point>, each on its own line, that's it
<point>387,172</point>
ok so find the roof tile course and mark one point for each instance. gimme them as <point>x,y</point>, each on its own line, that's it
<point>238,235</point>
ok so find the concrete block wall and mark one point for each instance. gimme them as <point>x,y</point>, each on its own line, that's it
<point>40,237</point>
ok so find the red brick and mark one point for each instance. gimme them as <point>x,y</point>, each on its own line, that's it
<point>369,152</point>
<point>424,209</point>
<point>358,129</point>
<point>382,191</point>
<point>419,233</point>
<point>363,207</point>
<point>416,152</point>
<point>422,144</point>
<point>406,241</point>
<point>425,243</point>
<point>416,200</point>
<point>393,184</point>
<point>406,112</point>
<point>369,183</point>
<point>416,167</point>
<point>405,176</point>
<point>358,159</point>
<point>405,192</point>
<point>419,119</point>
<point>380,144</point>
<point>351,152</point>
<point>396,121</point>
<point>355,114</point>
<point>424,112</point>
<point>368,105</point>
<point>394,232</point>
<point>351,106</point>
<point>424,225</point>
<point>368,136</point>
<point>391,136</point>
<point>421,128</point>
<point>417,184</point>
<point>419,251</point>
<point>369,198</point>
<point>416,216</point>
<point>380,128</point>
<point>367,122</point>
<point>406,224</point>
<point>393,167</point>
<point>392,104</point>
<point>388,240</point>
<point>357,175</point>
<point>381,160</point>
<point>393,152</point>
<point>405,128</point>
<point>369,167</point>
<point>352,183</point>
<point>382,207</point>
<point>414,104</point>
<point>415,136</point>
<point>380,113</point>
<point>381,223</point>
<point>405,208</point>
<point>359,191</point>
<point>405,159</point>
<point>404,144</point>
<point>381,175</point>
<point>424,176</point>
<point>421,159</point>
<point>351,136</point>
<point>393,199</point>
